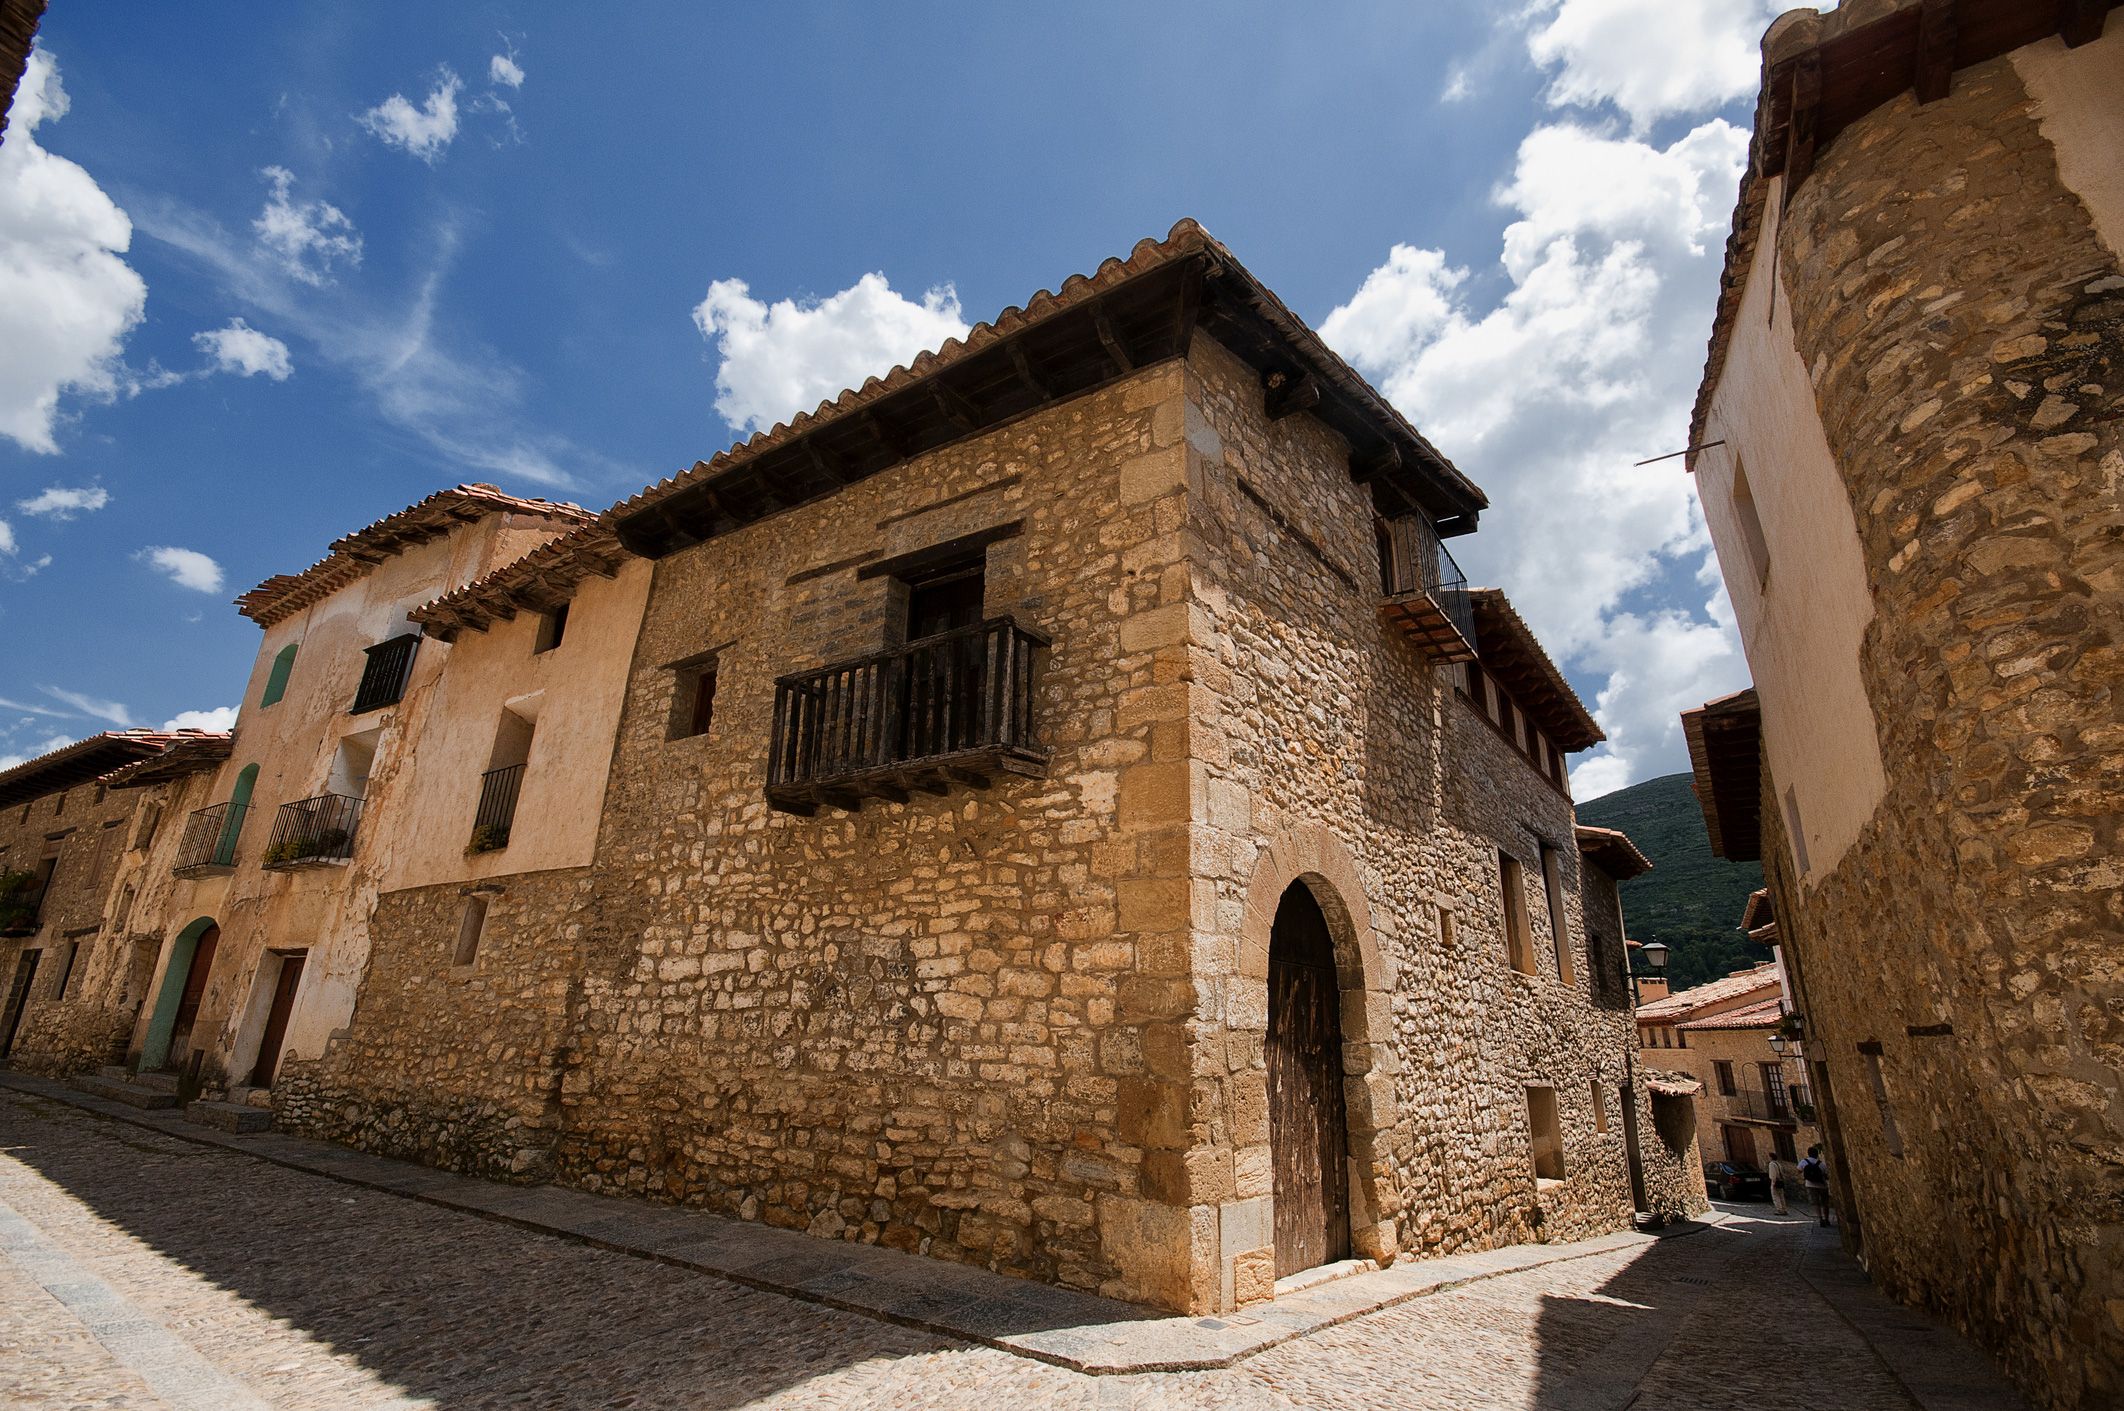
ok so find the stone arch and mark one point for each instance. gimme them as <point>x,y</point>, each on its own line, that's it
<point>1311,854</point>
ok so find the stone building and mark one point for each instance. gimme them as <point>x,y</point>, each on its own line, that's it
<point>1909,453</point>
<point>1754,1102</point>
<point>1055,807</point>
<point>71,910</point>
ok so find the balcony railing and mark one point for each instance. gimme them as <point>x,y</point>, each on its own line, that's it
<point>1426,593</point>
<point>313,831</point>
<point>1760,1105</point>
<point>497,808</point>
<point>383,680</point>
<point>210,836</point>
<point>953,710</point>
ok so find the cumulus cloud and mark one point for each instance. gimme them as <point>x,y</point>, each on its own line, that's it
<point>787,357</point>
<point>219,718</point>
<point>504,72</point>
<point>1651,58</point>
<point>34,748</point>
<point>242,349</point>
<point>425,131</point>
<point>62,502</point>
<point>1587,363</point>
<point>67,299</point>
<point>187,568</point>
<point>307,239</point>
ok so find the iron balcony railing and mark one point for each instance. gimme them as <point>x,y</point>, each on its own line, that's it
<point>210,836</point>
<point>1417,562</point>
<point>314,830</point>
<point>899,718</point>
<point>383,680</point>
<point>497,808</point>
<point>1788,1106</point>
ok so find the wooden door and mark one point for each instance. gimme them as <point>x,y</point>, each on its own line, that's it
<point>1308,1140</point>
<point>17,999</point>
<point>1633,1160</point>
<point>276,1028</point>
<point>1740,1144</point>
<point>195,980</point>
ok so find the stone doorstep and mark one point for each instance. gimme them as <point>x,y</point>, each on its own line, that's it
<point>1066,1327</point>
<point>121,1091</point>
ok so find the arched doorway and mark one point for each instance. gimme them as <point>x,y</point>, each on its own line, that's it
<point>183,982</point>
<point>1308,1133</point>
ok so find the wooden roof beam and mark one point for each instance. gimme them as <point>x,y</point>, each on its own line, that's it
<point>1290,393</point>
<point>1801,124</point>
<point>1108,339</point>
<point>1935,50</point>
<point>2080,21</point>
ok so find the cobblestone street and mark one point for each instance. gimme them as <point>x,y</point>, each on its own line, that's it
<point>141,1270</point>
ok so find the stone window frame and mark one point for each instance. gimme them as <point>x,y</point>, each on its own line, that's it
<point>1545,1144</point>
<point>1552,887</point>
<point>1515,919</point>
<point>472,934</point>
<point>688,673</point>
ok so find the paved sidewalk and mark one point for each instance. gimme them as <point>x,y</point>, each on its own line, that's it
<point>1082,1332</point>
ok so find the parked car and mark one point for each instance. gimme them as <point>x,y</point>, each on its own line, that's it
<point>1729,1180</point>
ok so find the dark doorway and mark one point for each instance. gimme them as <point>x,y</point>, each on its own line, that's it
<point>941,690</point>
<point>276,1029</point>
<point>17,999</point>
<point>195,980</point>
<point>1308,1140</point>
<point>1633,1159</point>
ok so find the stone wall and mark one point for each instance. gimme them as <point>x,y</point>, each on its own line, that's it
<point>1964,331</point>
<point>93,828</point>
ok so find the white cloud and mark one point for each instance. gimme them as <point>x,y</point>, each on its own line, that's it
<point>219,718</point>
<point>187,568</point>
<point>1651,58</point>
<point>504,71</point>
<point>67,301</point>
<point>424,131</point>
<point>787,357</point>
<point>1587,363</point>
<point>242,349</point>
<point>60,502</point>
<point>112,711</point>
<point>35,748</point>
<point>309,239</point>
<point>8,545</point>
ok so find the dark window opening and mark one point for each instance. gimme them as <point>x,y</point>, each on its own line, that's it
<point>1724,1069</point>
<point>470,926</point>
<point>693,700</point>
<point>66,969</point>
<point>945,599</point>
<point>552,627</point>
<point>383,680</point>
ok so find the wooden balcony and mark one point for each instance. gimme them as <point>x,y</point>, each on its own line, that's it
<point>953,711</point>
<point>1426,593</point>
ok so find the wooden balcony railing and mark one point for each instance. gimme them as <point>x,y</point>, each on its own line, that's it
<point>498,789</point>
<point>953,710</point>
<point>314,830</point>
<point>1426,593</point>
<point>383,678</point>
<point>209,840</point>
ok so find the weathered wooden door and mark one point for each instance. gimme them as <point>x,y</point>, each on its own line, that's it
<point>1308,1141</point>
<point>276,1029</point>
<point>195,980</point>
<point>17,999</point>
<point>1740,1144</point>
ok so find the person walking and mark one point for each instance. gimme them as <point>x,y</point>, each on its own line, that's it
<point>1778,1171</point>
<point>1815,1172</point>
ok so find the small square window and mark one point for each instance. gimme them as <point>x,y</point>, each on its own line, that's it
<point>552,627</point>
<point>693,700</point>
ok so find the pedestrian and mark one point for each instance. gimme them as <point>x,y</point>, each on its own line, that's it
<point>1816,1174</point>
<point>1778,1170</point>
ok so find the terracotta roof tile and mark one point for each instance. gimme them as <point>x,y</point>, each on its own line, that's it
<point>83,761</point>
<point>1682,1003</point>
<point>1755,1016</point>
<point>1611,850</point>
<point>1511,652</point>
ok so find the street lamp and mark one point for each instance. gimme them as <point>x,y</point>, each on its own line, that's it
<point>1656,955</point>
<point>1777,1044</point>
<point>1655,958</point>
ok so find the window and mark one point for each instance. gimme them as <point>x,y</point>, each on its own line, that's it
<point>1891,1131</point>
<point>383,679</point>
<point>1547,1134</point>
<point>469,927</point>
<point>1726,1087</point>
<point>276,684</point>
<point>503,780</point>
<point>552,627</point>
<point>1600,1107</point>
<point>150,819</point>
<point>66,969</point>
<point>59,803</point>
<point>693,699</point>
<point>1559,922</point>
<point>1753,541</point>
<point>1448,927</point>
<point>1519,949</point>
<point>1773,1075</point>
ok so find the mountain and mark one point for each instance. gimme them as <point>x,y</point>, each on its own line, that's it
<point>1690,899</point>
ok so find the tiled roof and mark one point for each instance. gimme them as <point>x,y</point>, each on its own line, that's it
<point>1510,652</point>
<point>1683,1003</point>
<point>1823,72</point>
<point>713,491</point>
<point>1611,850</point>
<point>1666,1083</point>
<point>356,554</point>
<point>1725,743</point>
<point>1755,1016</point>
<point>190,753</point>
<point>82,761</point>
<point>538,582</point>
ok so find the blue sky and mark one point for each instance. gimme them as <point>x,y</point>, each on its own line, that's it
<point>264,278</point>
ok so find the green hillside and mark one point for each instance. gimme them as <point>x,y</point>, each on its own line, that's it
<point>1690,899</point>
